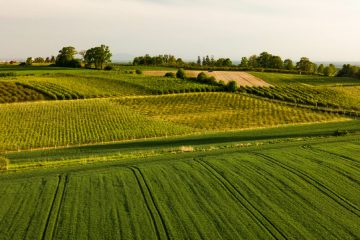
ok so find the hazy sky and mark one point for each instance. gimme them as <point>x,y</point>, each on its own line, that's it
<point>324,30</point>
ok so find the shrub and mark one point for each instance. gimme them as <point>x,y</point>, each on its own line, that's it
<point>170,75</point>
<point>4,164</point>
<point>181,74</point>
<point>202,77</point>
<point>231,86</point>
<point>109,68</point>
<point>138,71</point>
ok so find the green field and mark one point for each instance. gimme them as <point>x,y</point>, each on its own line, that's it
<point>288,190</point>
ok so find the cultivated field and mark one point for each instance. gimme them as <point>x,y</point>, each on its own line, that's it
<point>61,123</point>
<point>242,78</point>
<point>301,190</point>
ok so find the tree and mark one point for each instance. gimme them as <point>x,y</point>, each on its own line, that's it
<point>66,56</point>
<point>253,61</point>
<point>276,62</point>
<point>244,62</point>
<point>320,69</point>
<point>288,64</point>
<point>181,74</point>
<point>264,60</point>
<point>306,65</point>
<point>29,61</point>
<point>39,60</point>
<point>330,70</point>
<point>199,61</point>
<point>99,56</point>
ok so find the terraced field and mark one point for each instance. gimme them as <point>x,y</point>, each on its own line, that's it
<point>303,190</point>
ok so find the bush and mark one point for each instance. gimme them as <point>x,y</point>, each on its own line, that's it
<point>181,74</point>
<point>231,86</point>
<point>170,75</point>
<point>138,71</point>
<point>109,68</point>
<point>4,164</point>
<point>202,77</point>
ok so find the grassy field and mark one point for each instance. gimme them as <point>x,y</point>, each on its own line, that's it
<point>288,190</point>
<point>61,123</point>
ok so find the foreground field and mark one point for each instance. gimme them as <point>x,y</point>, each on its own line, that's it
<point>242,78</point>
<point>61,123</point>
<point>301,190</point>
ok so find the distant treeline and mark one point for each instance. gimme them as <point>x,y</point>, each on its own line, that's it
<point>263,62</point>
<point>349,71</point>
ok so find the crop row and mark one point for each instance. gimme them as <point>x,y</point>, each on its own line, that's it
<point>300,94</point>
<point>14,92</point>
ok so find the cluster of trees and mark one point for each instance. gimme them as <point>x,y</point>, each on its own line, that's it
<point>30,60</point>
<point>160,60</point>
<point>349,71</point>
<point>96,57</point>
<point>212,62</point>
<point>268,61</point>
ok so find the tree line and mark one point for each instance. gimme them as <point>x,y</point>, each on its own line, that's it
<point>160,60</point>
<point>349,71</point>
<point>262,62</point>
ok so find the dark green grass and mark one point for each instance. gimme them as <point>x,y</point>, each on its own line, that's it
<point>279,79</point>
<point>279,192</point>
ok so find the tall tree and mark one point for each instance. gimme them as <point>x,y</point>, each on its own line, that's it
<point>320,69</point>
<point>66,56</point>
<point>288,64</point>
<point>244,62</point>
<point>98,56</point>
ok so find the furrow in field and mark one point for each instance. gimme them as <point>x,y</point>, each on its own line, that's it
<point>325,190</point>
<point>259,217</point>
<point>151,204</point>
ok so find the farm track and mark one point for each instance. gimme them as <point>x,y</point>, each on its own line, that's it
<point>255,213</point>
<point>321,187</point>
<point>51,225</point>
<point>151,205</point>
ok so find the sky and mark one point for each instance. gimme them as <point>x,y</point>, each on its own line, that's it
<point>323,30</point>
